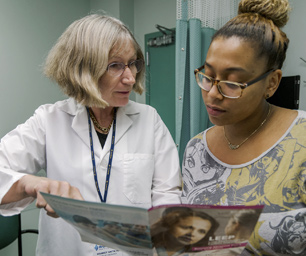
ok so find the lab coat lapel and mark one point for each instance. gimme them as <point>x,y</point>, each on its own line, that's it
<point>80,126</point>
<point>123,124</point>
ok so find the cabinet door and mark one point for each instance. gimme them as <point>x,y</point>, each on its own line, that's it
<point>160,79</point>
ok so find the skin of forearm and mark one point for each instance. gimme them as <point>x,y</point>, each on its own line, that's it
<point>15,193</point>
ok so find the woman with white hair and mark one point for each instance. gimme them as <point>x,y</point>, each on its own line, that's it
<point>97,145</point>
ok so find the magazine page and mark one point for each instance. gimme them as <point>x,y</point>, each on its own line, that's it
<point>166,230</point>
<point>119,227</point>
<point>201,229</point>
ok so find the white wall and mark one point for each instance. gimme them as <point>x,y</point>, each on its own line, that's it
<point>120,9</point>
<point>295,30</point>
<point>29,28</point>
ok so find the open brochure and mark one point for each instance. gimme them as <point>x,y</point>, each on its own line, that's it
<point>162,230</point>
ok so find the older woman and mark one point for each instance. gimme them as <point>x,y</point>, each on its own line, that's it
<point>97,145</point>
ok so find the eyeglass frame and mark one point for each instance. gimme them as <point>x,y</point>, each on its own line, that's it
<point>124,66</point>
<point>241,85</point>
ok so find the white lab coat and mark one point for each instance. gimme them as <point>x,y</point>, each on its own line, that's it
<point>145,170</point>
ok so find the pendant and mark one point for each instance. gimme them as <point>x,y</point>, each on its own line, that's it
<point>232,146</point>
<point>104,129</point>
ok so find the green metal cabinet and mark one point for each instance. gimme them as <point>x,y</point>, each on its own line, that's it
<point>160,79</point>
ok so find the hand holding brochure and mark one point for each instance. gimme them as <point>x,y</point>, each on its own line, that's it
<point>163,230</point>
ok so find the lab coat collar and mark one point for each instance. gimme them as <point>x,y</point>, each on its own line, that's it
<point>80,123</point>
<point>124,122</point>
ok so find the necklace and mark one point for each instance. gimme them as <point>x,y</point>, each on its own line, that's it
<point>233,146</point>
<point>104,130</point>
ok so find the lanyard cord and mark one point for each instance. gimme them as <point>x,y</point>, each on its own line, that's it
<point>111,154</point>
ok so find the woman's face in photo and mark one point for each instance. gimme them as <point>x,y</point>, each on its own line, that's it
<point>190,230</point>
<point>231,227</point>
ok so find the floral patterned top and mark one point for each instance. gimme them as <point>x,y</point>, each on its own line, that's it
<point>275,179</point>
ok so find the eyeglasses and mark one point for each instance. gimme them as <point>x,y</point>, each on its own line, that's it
<point>117,68</point>
<point>228,89</point>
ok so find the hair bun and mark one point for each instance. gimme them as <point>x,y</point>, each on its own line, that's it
<point>275,10</point>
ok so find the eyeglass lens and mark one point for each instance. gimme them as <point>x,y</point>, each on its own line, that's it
<point>117,68</point>
<point>227,89</point>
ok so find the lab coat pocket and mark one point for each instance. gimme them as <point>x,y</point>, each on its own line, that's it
<point>138,175</point>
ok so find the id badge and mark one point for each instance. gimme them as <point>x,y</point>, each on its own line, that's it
<point>106,251</point>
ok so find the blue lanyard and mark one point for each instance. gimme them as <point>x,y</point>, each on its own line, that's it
<point>111,154</point>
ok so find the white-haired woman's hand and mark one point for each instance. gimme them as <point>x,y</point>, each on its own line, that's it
<point>31,186</point>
